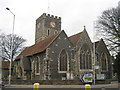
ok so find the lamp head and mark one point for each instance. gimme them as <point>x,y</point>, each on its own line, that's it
<point>7,8</point>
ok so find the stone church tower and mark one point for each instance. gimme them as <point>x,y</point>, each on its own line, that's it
<point>47,25</point>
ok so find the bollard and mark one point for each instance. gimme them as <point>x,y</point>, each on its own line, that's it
<point>36,86</point>
<point>87,87</point>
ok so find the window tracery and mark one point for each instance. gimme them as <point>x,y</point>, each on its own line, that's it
<point>85,57</point>
<point>37,65</point>
<point>103,61</point>
<point>63,61</point>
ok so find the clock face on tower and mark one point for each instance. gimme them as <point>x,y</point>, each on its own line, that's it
<point>52,24</point>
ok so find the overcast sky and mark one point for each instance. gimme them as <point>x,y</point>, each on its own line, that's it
<point>74,13</point>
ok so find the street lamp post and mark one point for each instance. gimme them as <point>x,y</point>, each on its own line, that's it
<point>94,59</point>
<point>1,58</point>
<point>11,52</point>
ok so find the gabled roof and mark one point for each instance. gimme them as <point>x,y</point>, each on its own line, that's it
<point>74,38</point>
<point>42,45</point>
<point>38,47</point>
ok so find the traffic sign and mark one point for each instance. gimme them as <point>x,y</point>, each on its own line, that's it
<point>100,76</point>
<point>87,78</point>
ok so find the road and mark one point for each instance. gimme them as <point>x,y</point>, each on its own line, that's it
<point>60,89</point>
<point>112,86</point>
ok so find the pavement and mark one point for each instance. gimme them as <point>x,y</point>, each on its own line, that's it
<point>112,86</point>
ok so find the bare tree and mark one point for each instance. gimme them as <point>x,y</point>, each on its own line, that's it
<point>18,43</point>
<point>108,27</point>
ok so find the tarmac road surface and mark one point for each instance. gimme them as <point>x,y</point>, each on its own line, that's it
<point>59,89</point>
<point>112,86</point>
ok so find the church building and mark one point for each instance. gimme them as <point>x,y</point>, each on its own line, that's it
<point>55,56</point>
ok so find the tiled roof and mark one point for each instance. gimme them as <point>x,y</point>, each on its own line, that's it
<point>38,47</point>
<point>74,38</point>
<point>5,64</point>
<point>42,45</point>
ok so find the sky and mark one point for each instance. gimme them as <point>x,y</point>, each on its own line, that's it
<point>75,15</point>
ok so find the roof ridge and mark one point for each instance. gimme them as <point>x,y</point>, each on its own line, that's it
<point>74,38</point>
<point>55,37</point>
<point>37,47</point>
<point>75,34</point>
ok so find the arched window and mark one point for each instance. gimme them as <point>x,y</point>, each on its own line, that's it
<point>63,61</point>
<point>85,57</point>
<point>103,61</point>
<point>37,64</point>
<point>20,72</point>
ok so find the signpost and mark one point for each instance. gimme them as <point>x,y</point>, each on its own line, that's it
<point>97,67</point>
<point>87,78</point>
<point>100,76</point>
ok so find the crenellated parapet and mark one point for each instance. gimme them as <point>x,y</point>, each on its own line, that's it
<point>45,15</point>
